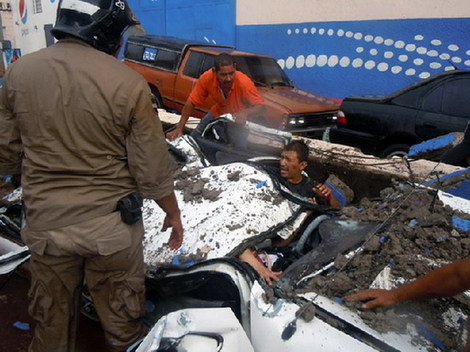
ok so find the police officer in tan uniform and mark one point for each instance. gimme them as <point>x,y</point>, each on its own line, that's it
<point>79,127</point>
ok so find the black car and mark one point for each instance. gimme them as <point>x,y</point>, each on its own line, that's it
<point>387,126</point>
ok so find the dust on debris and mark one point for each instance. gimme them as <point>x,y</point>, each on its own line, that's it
<point>193,185</point>
<point>416,237</point>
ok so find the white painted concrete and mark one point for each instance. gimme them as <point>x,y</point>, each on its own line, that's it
<point>29,33</point>
<point>298,11</point>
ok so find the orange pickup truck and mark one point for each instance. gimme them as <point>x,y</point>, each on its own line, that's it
<point>172,66</point>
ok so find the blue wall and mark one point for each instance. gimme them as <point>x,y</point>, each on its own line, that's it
<point>335,59</point>
<point>339,59</point>
<point>207,20</point>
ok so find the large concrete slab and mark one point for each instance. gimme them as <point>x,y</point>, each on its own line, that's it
<point>365,174</point>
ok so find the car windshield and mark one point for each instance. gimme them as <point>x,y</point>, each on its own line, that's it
<point>264,71</point>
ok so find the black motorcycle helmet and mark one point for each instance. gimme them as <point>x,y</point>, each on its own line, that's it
<point>100,23</point>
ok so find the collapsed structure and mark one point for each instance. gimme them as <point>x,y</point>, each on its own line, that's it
<point>394,230</point>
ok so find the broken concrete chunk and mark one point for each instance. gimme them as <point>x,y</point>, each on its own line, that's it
<point>343,194</point>
<point>234,176</point>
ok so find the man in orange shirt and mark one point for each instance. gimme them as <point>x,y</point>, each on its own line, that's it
<point>233,91</point>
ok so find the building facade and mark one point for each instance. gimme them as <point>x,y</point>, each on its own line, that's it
<point>32,21</point>
<point>335,48</point>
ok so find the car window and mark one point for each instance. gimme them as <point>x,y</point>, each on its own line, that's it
<point>193,65</point>
<point>207,63</point>
<point>409,98</point>
<point>198,63</point>
<point>157,57</point>
<point>450,98</point>
<point>264,71</point>
<point>456,98</point>
<point>166,59</point>
<point>133,51</point>
<point>432,101</point>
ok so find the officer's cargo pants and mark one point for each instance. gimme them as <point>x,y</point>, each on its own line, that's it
<point>106,253</point>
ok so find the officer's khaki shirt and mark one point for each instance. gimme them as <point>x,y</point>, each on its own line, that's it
<point>79,126</point>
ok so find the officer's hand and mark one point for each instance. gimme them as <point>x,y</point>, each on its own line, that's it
<point>176,237</point>
<point>174,134</point>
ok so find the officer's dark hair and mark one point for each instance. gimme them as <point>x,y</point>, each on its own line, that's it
<point>223,59</point>
<point>300,148</point>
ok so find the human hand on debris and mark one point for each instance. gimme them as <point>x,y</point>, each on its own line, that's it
<point>325,192</point>
<point>268,275</point>
<point>322,191</point>
<point>445,281</point>
<point>176,237</point>
<point>240,118</point>
<point>374,298</point>
<point>172,135</point>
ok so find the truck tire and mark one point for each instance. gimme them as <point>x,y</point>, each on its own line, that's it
<point>400,150</point>
<point>156,99</point>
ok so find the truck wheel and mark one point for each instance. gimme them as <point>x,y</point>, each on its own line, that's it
<point>156,99</point>
<point>400,150</point>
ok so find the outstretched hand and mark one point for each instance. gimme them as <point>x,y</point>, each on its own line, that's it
<point>268,275</point>
<point>172,135</point>
<point>374,298</point>
<point>176,237</point>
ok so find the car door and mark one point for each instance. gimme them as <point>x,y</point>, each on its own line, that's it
<point>444,108</point>
<point>193,66</point>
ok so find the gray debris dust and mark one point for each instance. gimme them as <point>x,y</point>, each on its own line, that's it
<point>193,185</point>
<point>417,233</point>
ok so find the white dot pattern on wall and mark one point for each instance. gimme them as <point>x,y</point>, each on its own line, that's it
<point>427,51</point>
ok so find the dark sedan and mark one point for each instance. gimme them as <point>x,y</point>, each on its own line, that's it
<point>387,126</point>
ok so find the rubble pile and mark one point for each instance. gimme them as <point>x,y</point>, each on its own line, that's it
<point>415,235</point>
<point>222,209</point>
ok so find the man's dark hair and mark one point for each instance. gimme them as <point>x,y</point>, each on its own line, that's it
<point>223,59</point>
<point>300,148</point>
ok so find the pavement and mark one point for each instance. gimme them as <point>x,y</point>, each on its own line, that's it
<point>16,326</point>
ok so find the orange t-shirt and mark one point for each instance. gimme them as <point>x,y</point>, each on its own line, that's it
<point>243,94</point>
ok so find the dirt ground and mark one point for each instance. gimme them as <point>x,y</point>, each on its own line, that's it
<point>416,237</point>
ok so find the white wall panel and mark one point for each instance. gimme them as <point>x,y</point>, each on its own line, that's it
<point>298,11</point>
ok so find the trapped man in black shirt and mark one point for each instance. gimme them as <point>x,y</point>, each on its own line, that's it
<point>294,160</point>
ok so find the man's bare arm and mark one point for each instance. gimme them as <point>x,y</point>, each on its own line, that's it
<point>268,275</point>
<point>325,192</point>
<point>446,281</point>
<point>169,205</point>
<point>185,113</point>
